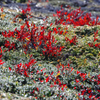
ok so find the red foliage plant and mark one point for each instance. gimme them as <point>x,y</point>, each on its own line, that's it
<point>76,17</point>
<point>72,41</point>
<point>24,69</point>
<point>95,39</point>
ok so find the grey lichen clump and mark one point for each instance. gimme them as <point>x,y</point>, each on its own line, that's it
<point>10,96</point>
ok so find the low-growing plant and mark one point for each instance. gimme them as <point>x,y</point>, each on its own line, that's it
<point>47,61</point>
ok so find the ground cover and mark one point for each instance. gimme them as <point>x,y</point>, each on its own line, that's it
<point>55,58</point>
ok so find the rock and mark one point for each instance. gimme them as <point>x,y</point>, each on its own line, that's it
<point>97,9</point>
<point>98,1</point>
<point>1,4</point>
<point>78,3</point>
<point>48,8</point>
<point>41,4</point>
<point>8,1</point>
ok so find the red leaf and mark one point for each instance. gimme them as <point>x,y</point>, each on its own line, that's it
<point>98,77</point>
<point>47,79</point>
<point>62,88</point>
<point>9,68</point>
<point>37,89</point>
<point>90,96</point>
<point>0,55</point>
<point>77,80</point>
<point>51,24</point>
<point>55,30</point>
<point>95,39</point>
<point>54,15</point>
<point>60,48</point>
<point>74,87</point>
<point>84,79</point>
<point>82,92</point>
<point>47,0</point>
<point>25,73</point>
<point>52,73</point>
<point>28,8</point>
<point>98,90</point>
<point>71,69</point>
<point>40,80</point>
<point>1,9</point>
<point>89,91</point>
<point>68,65</point>
<point>40,43</point>
<point>90,44</point>
<point>83,75</point>
<point>23,12</point>
<point>1,62</point>
<point>27,23</point>
<point>0,52</point>
<point>33,91</point>
<point>78,72</point>
<point>43,69</point>
<point>51,85</point>
<point>37,72</point>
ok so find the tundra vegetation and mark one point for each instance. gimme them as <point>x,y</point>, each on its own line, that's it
<point>58,59</point>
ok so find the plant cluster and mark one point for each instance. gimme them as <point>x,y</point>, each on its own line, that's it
<point>61,63</point>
